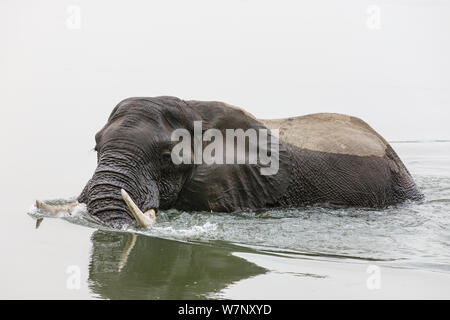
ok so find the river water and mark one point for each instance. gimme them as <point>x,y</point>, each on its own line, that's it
<point>313,252</point>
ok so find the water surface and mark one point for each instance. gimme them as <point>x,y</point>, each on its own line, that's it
<point>205,255</point>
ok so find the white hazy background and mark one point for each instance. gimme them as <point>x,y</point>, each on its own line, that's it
<point>64,65</point>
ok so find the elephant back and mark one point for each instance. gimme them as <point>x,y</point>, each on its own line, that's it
<point>331,133</point>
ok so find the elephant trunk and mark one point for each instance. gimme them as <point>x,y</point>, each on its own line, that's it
<point>104,197</point>
<point>105,202</point>
<point>119,195</point>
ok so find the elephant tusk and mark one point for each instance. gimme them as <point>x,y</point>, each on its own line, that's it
<point>144,219</point>
<point>55,208</point>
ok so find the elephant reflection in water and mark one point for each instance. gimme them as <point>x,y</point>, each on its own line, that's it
<point>131,266</point>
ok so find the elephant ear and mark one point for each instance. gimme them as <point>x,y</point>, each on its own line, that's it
<point>233,187</point>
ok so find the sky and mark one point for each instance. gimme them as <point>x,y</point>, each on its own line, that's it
<point>64,65</point>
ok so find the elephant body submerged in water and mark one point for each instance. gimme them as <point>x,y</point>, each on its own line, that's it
<point>321,158</point>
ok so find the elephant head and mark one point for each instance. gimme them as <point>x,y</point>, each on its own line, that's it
<point>136,175</point>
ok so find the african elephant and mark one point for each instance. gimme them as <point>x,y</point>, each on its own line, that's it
<point>321,159</point>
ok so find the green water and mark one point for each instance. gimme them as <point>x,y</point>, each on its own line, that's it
<point>161,269</point>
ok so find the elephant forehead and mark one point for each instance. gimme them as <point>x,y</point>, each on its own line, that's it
<point>332,133</point>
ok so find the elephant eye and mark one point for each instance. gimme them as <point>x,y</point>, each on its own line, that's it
<point>166,156</point>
